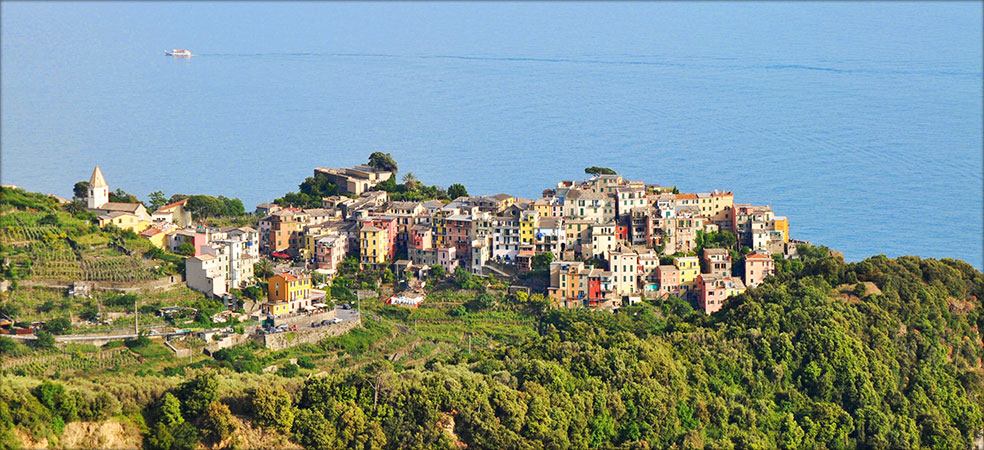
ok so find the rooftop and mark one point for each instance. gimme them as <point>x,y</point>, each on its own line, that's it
<point>170,207</point>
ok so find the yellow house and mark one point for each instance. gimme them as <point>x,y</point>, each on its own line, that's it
<point>276,308</point>
<point>736,288</point>
<point>289,287</point>
<point>288,293</point>
<point>782,224</point>
<point>124,220</point>
<point>155,236</point>
<point>372,245</point>
<point>528,221</point>
<point>716,205</point>
<point>689,267</point>
<point>542,206</point>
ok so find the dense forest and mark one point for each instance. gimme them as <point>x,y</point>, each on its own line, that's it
<point>884,353</point>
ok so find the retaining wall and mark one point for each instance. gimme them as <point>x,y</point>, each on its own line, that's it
<point>228,341</point>
<point>278,341</point>
<point>304,319</point>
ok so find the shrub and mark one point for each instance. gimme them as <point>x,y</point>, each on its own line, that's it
<point>197,393</point>
<point>44,341</point>
<point>272,407</point>
<point>860,289</point>
<point>288,370</point>
<point>305,363</point>
<point>217,423</point>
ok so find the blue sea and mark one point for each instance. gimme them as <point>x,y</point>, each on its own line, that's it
<point>861,122</point>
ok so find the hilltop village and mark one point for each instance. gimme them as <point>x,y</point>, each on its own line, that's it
<point>358,312</point>
<point>601,243</point>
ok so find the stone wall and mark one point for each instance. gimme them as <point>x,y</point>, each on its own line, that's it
<point>304,319</point>
<point>178,353</point>
<point>148,285</point>
<point>278,341</point>
<point>226,342</point>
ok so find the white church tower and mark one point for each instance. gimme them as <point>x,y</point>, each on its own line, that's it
<point>98,190</point>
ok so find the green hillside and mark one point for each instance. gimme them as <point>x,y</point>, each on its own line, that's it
<point>884,353</point>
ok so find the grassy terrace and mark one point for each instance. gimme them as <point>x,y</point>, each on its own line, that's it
<point>42,304</point>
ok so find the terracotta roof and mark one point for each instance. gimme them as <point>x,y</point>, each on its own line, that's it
<point>686,196</point>
<point>756,255</point>
<point>165,208</point>
<point>287,276</point>
<point>151,232</point>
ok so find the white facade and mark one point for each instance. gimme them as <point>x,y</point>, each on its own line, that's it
<point>204,275</point>
<point>228,260</point>
<point>505,238</point>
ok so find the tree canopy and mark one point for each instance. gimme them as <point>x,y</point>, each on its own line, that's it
<point>457,190</point>
<point>595,170</point>
<point>309,193</point>
<point>383,161</point>
<point>81,190</point>
<point>204,206</point>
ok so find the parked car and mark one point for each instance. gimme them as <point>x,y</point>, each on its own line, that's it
<point>346,306</point>
<point>336,320</point>
<point>325,322</point>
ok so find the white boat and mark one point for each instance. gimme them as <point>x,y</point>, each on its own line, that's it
<point>177,52</point>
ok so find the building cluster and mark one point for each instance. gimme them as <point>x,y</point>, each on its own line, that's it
<point>221,258</point>
<point>626,240</point>
<point>613,241</point>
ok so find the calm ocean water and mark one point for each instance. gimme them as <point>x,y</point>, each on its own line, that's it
<point>862,122</point>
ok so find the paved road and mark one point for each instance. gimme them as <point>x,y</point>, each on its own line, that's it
<point>344,314</point>
<point>90,337</point>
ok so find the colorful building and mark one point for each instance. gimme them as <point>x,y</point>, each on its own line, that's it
<point>757,267</point>
<point>372,246</point>
<point>716,261</point>
<point>155,236</point>
<point>329,251</point>
<point>669,280</point>
<point>288,287</point>
<point>124,220</point>
<point>624,267</point>
<point>689,267</point>
<point>713,291</point>
<point>173,213</point>
<point>528,221</point>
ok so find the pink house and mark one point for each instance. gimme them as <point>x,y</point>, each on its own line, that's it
<point>330,250</point>
<point>178,237</point>
<point>420,237</point>
<point>459,231</point>
<point>669,280</point>
<point>757,267</point>
<point>713,290</point>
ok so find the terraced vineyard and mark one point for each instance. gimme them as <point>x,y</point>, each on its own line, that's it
<point>61,263</point>
<point>69,363</point>
<point>10,235</point>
